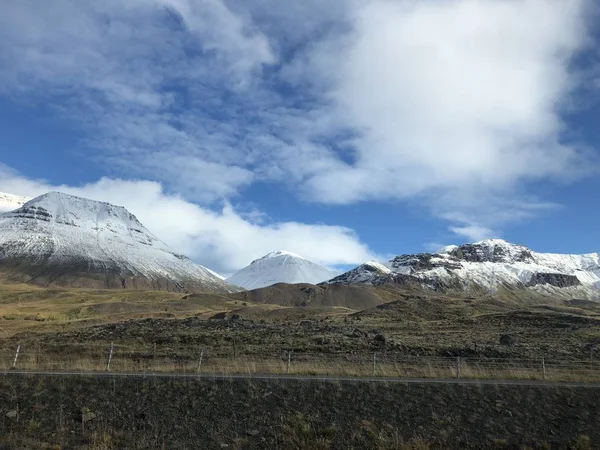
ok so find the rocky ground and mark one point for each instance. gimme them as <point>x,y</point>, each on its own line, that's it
<point>146,413</point>
<point>415,325</point>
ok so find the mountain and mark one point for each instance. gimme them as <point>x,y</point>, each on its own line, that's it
<point>60,239</point>
<point>280,267</point>
<point>486,267</point>
<point>10,202</point>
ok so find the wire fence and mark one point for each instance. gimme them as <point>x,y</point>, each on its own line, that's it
<point>114,357</point>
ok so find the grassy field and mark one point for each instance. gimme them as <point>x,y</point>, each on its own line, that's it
<point>30,308</point>
<point>377,366</point>
<point>414,334</point>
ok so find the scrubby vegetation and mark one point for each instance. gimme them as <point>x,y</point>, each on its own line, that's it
<point>153,413</point>
<point>409,323</point>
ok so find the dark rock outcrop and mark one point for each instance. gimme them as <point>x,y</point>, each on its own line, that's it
<point>554,279</point>
<point>495,253</point>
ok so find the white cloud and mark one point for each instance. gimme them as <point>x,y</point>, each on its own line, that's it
<point>454,104</point>
<point>474,233</point>
<point>219,29</point>
<point>223,240</point>
<point>461,96</point>
<point>143,79</point>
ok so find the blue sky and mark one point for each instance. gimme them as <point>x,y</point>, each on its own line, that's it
<point>343,131</point>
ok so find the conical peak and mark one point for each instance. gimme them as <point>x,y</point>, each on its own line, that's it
<point>278,254</point>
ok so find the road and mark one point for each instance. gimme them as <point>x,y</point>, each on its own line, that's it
<point>217,376</point>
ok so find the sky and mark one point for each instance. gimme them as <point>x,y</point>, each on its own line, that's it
<point>343,131</point>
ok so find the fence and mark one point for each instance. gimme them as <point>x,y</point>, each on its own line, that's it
<point>154,359</point>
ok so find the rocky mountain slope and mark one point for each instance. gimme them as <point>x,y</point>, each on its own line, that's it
<point>486,267</point>
<point>280,267</point>
<point>59,239</point>
<point>10,202</point>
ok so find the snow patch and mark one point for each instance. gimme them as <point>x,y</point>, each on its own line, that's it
<point>378,266</point>
<point>447,249</point>
<point>10,202</point>
<point>277,254</point>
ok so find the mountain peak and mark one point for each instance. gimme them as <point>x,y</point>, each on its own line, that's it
<point>84,213</point>
<point>496,242</point>
<point>60,202</point>
<point>492,250</point>
<point>280,267</point>
<point>278,253</point>
<point>57,196</point>
<point>74,241</point>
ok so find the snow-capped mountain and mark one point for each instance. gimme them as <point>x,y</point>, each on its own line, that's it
<point>486,267</point>
<point>60,239</point>
<point>280,267</point>
<point>10,202</point>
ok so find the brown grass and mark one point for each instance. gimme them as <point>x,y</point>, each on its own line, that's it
<point>144,360</point>
<point>72,329</point>
<point>30,308</point>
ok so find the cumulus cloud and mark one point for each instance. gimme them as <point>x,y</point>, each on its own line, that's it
<point>223,240</point>
<point>460,95</point>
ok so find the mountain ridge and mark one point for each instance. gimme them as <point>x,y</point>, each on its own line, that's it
<point>486,266</point>
<point>58,238</point>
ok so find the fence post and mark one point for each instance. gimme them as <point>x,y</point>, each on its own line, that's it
<point>110,355</point>
<point>374,362</point>
<point>16,356</point>
<point>154,357</point>
<point>200,359</point>
<point>543,369</point>
<point>289,358</point>
<point>458,367</point>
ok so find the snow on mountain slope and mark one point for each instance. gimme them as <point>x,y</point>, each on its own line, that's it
<point>280,267</point>
<point>487,266</point>
<point>62,239</point>
<point>364,273</point>
<point>10,202</point>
